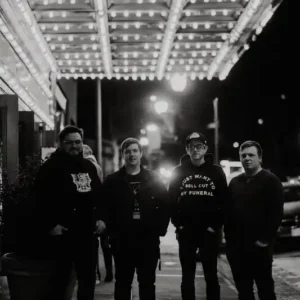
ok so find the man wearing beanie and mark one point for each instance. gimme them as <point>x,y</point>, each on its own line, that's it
<point>197,192</point>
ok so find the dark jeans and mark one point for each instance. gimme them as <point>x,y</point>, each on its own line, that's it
<point>138,254</point>
<point>107,252</point>
<point>82,255</point>
<point>249,264</point>
<point>189,243</point>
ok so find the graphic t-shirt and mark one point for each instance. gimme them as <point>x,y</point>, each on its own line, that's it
<point>134,184</point>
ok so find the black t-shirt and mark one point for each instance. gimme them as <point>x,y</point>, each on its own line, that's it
<point>134,184</point>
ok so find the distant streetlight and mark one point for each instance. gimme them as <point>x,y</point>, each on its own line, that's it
<point>178,83</point>
<point>260,121</point>
<point>153,98</point>
<point>144,141</point>
<point>152,127</point>
<point>165,172</point>
<point>236,145</point>
<point>161,106</point>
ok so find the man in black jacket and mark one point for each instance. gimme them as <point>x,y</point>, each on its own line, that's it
<point>198,190</point>
<point>69,216</point>
<point>138,214</point>
<point>254,213</point>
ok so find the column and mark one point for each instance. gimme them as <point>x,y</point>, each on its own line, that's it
<point>99,122</point>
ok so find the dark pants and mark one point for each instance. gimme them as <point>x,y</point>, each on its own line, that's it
<point>135,254</point>
<point>208,243</point>
<point>107,253</point>
<point>249,264</point>
<point>82,255</point>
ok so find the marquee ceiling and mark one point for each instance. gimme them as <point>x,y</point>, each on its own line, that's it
<point>144,39</point>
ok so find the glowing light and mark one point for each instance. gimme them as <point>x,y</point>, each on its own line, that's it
<point>152,127</point>
<point>260,121</point>
<point>153,98</point>
<point>178,83</point>
<point>165,172</point>
<point>144,141</point>
<point>161,106</point>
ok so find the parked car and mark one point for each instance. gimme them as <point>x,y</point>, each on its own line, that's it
<point>290,225</point>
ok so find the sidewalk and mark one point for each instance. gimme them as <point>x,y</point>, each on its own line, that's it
<point>168,243</point>
<point>286,269</point>
<point>284,288</point>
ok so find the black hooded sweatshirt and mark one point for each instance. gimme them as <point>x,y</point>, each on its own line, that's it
<point>66,192</point>
<point>198,195</point>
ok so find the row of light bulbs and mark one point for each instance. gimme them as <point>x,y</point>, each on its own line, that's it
<point>135,54</point>
<point>183,25</point>
<point>18,88</point>
<point>188,68</point>
<point>177,45</point>
<point>88,62</point>
<point>147,46</point>
<point>235,34</point>
<point>151,13</point>
<point>46,2</point>
<point>155,54</point>
<point>44,84</point>
<point>266,16</point>
<point>37,76</point>
<point>93,26</point>
<point>145,62</point>
<point>29,18</point>
<point>134,69</point>
<point>151,76</point>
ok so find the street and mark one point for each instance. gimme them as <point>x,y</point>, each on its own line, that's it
<point>286,275</point>
<point>169,278</point>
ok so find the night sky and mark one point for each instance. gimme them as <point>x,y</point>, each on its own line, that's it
<point>256,88</point>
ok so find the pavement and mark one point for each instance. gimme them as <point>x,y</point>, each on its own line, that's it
<point>169,278</point>
<point>286,271</point>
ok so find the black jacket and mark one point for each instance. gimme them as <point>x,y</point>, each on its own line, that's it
<point>197,196</point>
<point>254,208</point>
<point>66,192</point>
<point>154,208</point>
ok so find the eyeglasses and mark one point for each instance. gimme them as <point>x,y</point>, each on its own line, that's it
<point>77,142</point>
<point>197,147</point>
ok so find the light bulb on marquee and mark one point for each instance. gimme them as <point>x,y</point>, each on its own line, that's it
<point>178,83</point>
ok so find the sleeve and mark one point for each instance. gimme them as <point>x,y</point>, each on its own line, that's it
<point>101,213</point>
<point>174,194</point>
<point>222,195</point>
<point>164,207</point>
<point>46,188</point>
<point>274,209</point>
<point>228,221</point>
<point>105,208</point>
